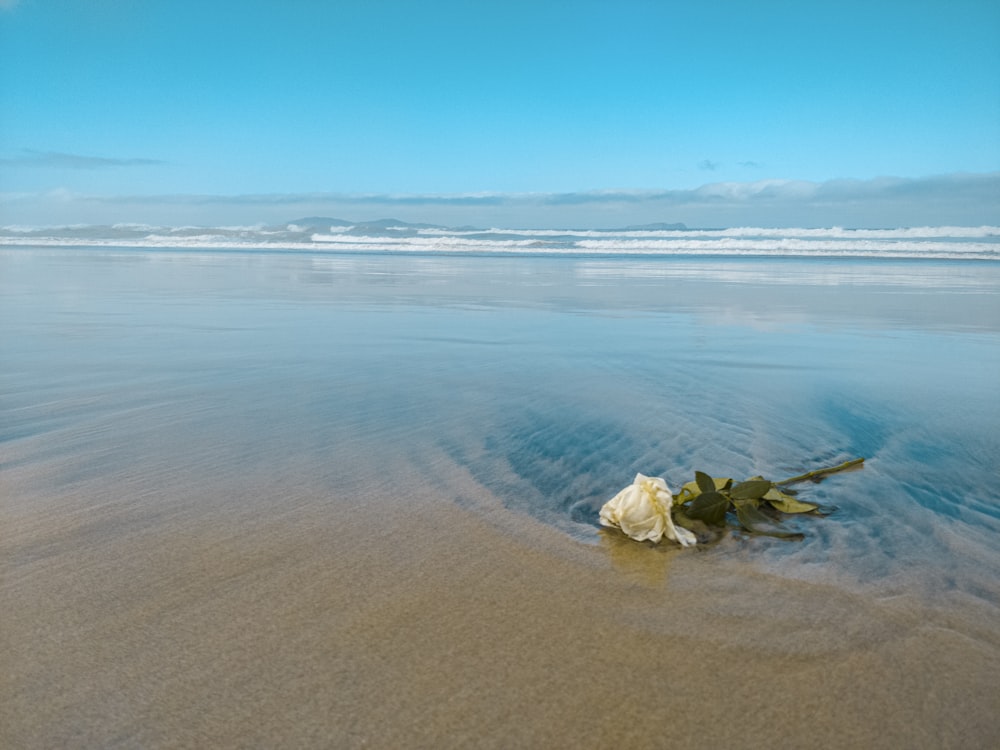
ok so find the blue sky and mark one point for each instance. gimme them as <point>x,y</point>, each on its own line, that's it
<point>500,111</point>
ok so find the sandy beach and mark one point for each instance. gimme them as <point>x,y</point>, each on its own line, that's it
<point>348,624</point>
<point>212,537</point>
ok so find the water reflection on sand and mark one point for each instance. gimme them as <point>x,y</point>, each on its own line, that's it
<point>284,499</point>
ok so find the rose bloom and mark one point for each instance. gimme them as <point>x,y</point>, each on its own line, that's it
<point>642,511</point>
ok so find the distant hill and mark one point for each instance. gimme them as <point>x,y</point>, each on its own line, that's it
<point>386,223</point>
<point>320,221</point>
<point>324,222</point>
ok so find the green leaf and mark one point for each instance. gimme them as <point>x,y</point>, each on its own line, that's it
<point>752,489</point>
<point>709,507</point>
<point>691,490</point>
<point>786,503</point>
<point>754,521</point>
<point>704,481</point>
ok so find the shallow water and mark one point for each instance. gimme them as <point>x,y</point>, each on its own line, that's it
<point>191,442</point>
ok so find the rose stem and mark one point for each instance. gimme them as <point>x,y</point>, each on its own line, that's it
<point>822,472</point>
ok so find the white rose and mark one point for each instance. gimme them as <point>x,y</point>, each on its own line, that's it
<point>642,511</point>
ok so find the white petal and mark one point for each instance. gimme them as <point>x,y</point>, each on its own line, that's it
<point>684,537</point>
<point>643,512</point>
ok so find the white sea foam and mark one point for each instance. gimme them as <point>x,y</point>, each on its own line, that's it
<point>973,243</point>
<point>333,229</point>
<point>829,233</point>
<point>137,227</point>
<point>792,246</point>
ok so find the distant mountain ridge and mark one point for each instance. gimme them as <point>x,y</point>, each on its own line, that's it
<point>318,221</point>
<point>324,222</point>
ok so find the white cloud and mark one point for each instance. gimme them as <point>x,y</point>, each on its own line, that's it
<point>955,199</point>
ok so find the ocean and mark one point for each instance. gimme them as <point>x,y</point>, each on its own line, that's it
<point>320,234</point>
<point>297,486</point>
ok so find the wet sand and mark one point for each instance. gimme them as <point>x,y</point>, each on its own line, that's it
<point>238,510</point>
<point>365,622</point>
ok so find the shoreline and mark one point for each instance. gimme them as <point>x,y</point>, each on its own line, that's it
<point>984,254</point>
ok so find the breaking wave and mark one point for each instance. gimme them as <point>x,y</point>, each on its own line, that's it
<point>390,236</point>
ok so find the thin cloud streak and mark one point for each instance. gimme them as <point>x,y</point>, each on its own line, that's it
<point>60,160</point>
<point>966,186</point>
